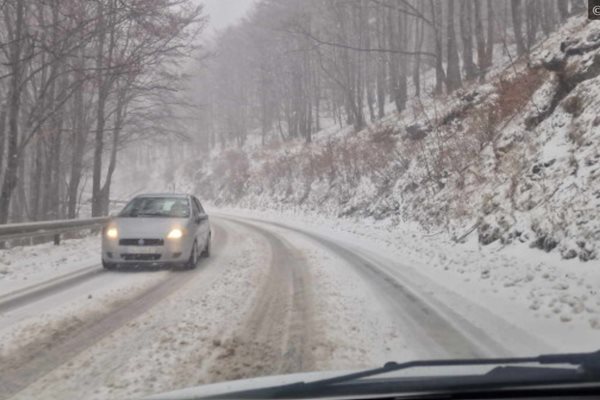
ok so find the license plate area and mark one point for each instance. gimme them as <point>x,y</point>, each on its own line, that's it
<point>143,249</point>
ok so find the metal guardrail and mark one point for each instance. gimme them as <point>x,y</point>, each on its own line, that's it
<point>49,228</point>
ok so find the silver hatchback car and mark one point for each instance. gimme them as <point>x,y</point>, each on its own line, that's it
<point>153,229</point>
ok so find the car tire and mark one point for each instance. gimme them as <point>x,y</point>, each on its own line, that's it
<point>193,260</point>
<point>109,266</point>
<point>206,251</point>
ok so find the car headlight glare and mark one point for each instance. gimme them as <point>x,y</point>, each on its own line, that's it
<point>175,234</point>
<point>112,233</point>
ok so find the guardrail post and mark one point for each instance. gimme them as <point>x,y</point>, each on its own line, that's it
<point>57,239</point>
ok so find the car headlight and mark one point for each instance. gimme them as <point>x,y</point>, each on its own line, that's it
<point>112,233</point>
<point>175,234</point>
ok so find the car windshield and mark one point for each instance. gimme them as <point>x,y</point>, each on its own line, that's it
<point>194,192</point>
<point>166,207</point>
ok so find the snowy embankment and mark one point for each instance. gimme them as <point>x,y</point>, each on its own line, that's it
<point>513,160</point>
<point>24,266</point>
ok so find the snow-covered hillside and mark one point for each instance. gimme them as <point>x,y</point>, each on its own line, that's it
<point>513,159</point>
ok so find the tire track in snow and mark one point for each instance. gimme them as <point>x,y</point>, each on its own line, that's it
<point>17,371</point>
<point>28,295</point>
<point>275,336</point>
<point>434,327</point>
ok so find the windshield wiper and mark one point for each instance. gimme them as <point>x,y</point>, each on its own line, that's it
<point>508,371</point>
<point>151,214</point>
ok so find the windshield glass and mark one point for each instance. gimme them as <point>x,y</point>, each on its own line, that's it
<point>157,207</point>
<point>194,192</point>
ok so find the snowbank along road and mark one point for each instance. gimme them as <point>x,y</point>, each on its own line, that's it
<point>271,299</point>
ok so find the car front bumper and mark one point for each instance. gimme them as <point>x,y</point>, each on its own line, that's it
<point>170,252</point>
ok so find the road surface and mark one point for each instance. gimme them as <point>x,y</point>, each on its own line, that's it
<point>271,299</point>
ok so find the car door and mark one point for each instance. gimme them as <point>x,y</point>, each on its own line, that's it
<point>203,227</point>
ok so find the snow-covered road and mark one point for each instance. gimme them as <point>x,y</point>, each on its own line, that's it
<point>273,298</point>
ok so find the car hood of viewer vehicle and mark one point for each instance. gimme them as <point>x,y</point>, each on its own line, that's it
<point>220,388</point>
<point>224,388</point>
<point>139,227</point>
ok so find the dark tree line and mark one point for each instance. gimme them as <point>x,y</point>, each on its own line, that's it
<point>291,64</point>
<point>77,78</point>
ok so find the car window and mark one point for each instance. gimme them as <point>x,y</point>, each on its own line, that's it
<point>195,207</point>
<point>199,206</point>
<point>166,207</point>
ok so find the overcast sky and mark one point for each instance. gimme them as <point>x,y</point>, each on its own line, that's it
<point>225,12</point>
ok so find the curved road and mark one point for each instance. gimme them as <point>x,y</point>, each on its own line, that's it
<point>259,305</point>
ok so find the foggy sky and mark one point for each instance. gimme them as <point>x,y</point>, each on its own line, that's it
<point>225,12</point>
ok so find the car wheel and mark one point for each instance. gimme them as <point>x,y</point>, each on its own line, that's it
<point>193,260</point>
<point>206,251</point>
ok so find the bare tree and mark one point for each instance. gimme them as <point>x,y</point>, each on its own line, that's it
<point>517,12</point>
<point>453,80</point>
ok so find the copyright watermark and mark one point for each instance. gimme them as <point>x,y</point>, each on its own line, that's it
<point>594,9</point>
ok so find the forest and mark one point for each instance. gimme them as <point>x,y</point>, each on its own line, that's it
<point>290,64</point>
<point>82,81</point>
<point>79,82</point>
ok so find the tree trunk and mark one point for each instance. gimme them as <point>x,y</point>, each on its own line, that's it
<point>466,30</point>
<point>419,36</point>
<point>401,88</point>
<point>12,163</point>
<point>112,164</point>
<point>480,40</point>
<point>517,11</point>
<point>2,140</point>
<point>440,75</point>
<point>489,54</point>
<point>578,6</point>
<point>104,83</point>
<point>453,80</point>
<point>100,121</point>
<point>380,67</point>
<point>563,9</point>
<point>547,20</point>
<point>532,22</point>
<point>78,140</point>
<point>35,182</point>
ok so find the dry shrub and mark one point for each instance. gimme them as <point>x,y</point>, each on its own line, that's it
<point>273,145</point>
<point>573,105</point>
<point>323,163</point>
<point>234,165</point>
<point>384,137</point>
<point>482,126</point>
<point>346,160</point>
<point>515,93</point>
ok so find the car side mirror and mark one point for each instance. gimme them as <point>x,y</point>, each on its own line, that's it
<point>201,218</point>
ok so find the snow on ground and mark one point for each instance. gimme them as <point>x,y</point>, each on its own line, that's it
<point>353,331</point>
<point>175,344</point>
<point>52,317</point>
<point>554,299</point>
<point>24,266</point>
<point>196,335</point>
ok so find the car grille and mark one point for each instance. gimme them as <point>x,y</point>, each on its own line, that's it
<point>140,257</point>
<point>141,242</point>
